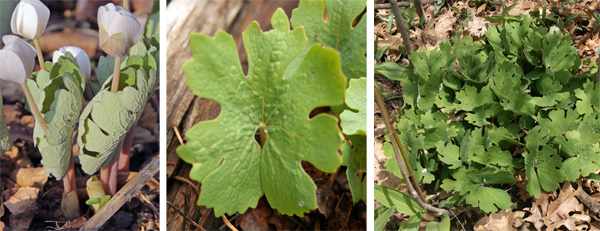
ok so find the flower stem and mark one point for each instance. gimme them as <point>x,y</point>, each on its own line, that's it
<point>116,75</point>
<point>126,5</point>
<point>39,54</point>
<point>125,154</point>
<point>69,179</point>
<point>34,109</point>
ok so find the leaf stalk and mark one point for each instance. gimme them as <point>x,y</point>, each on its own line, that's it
<point>34,109</point>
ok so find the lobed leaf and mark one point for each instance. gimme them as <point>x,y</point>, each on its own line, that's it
<point>235,171</point>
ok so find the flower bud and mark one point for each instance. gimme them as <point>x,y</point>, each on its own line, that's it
<point>18,59</point>
<point>30,19</point>
<point>119,30</point>
<point>83,61</point>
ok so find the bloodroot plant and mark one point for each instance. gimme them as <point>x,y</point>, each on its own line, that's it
<point>264,131</point>
<point>126,79</point>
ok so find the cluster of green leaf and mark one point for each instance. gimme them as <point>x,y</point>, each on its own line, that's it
<point>477,111</point>
<point>108,117</point>
<point>291,72</point>
<point>59,91</point>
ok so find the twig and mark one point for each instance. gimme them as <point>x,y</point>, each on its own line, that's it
<point>188,182</point>
<point>132,187</point>
<point>587,200</point>
<point>401,26</point>
<point>400,4</point>
<point>394,137</point>
<point>228,223</point>
<point>419,8</point>
<point>397,149</point>
<point>184,216</point>
<point>178,134</point>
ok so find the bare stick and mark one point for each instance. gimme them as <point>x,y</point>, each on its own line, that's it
<point>419,8</point>
<point>400,4</point>
<point>228,223</point>
<point>184,216</point>
<point>178,134</point>
<point>125,194</point>
<point>190,183</point>
<point>401,26</point>
<point>397,149</point>
<point>394,137</point>
<point>34,108</point>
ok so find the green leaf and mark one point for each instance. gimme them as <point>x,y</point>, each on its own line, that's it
<point>589,98</point>
<point>398,200</point>
<point>383,219</point>
<point>108,117</point>
<point>337,31</point>
<point>558,54</point>
<point>470,98</point>
<point>543,170</point>
<point>442,225</point>
<point>232,166</point>
<point>104,200</point>
<point>471,185</point>
<point>356,160</point>
<point>5,140</point>
<point>92,201</point>
<point>583,151</point>
<point>413,223</point>
<point>59,98</point>
<point>449,154</point>
<point>355,123</point>
<point>559,122</point>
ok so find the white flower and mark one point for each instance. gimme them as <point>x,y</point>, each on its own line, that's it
<point>119,30</point>
<point>83,61</point>
<point>30,19</point>
<point>17,59</point>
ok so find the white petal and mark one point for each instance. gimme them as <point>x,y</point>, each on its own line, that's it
<point>57,55</point>
<point>83,60</point>
<point>30,18</point>
<point>11,68</point>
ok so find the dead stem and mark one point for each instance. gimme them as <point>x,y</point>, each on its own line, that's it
<point>184,216</point>
<point>397,149</point>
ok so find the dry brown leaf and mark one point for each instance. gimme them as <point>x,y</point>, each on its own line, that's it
<point>502,220</point>
<point>438,29</point>
<point>476,27</point>
<point>565,204</point>
<point>523,7</point>
<point>27,177</point>
<point>21,200</point>
<point>538,211</point>
<point>262,218</point>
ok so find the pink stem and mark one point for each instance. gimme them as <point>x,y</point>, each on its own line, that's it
<point>126,150</point>
<point>69,182</point>
<point>108,175</point>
